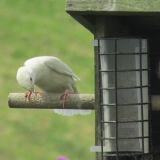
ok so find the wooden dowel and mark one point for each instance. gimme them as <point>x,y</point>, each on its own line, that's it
<point>52,101</point>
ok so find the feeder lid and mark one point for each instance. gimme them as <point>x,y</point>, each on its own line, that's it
<point>144,12</point>
<point>135,7</point>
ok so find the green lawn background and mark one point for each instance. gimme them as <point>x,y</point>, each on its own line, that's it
<point>30,28</point>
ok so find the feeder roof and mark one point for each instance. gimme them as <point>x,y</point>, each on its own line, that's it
<point>112,6</point>
<point>84,11</point>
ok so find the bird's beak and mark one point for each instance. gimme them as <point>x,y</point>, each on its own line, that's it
<point>31,90</point>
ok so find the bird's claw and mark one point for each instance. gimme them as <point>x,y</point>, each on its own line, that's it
<point>64,96</point>
<point>28,94</point>
<point>35,93</point>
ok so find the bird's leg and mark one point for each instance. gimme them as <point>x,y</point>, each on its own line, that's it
<point>28,95</point>
<point>65,95</point>
<point>35,93</point>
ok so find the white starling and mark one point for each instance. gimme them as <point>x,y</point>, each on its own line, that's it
<point>51,75</point>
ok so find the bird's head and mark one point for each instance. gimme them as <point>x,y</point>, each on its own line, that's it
<point>26,79</point>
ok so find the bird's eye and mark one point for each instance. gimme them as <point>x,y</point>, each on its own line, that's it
<point>30,78</point>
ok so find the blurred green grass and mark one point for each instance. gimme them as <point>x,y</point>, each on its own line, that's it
<point>32,28</point>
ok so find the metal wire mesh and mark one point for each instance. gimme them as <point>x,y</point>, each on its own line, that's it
<point>125,105</point>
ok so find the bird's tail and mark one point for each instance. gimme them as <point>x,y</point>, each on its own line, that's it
<point>71,112</point>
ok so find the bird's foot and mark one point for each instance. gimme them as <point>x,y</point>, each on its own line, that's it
<point>65,95</point>
<point>35,93</point>
<point>28,94</point>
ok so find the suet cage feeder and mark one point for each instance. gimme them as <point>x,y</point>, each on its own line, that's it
<point>125,103</point>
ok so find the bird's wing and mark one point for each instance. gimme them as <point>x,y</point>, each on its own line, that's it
<point>58,66</point>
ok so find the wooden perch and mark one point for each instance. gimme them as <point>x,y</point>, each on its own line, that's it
<point>52,101</point>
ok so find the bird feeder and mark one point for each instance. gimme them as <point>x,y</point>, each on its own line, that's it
<point>125,38</point>
<point>124,96</point>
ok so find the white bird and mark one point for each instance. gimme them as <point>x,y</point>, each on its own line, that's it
<point>51,75</point>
